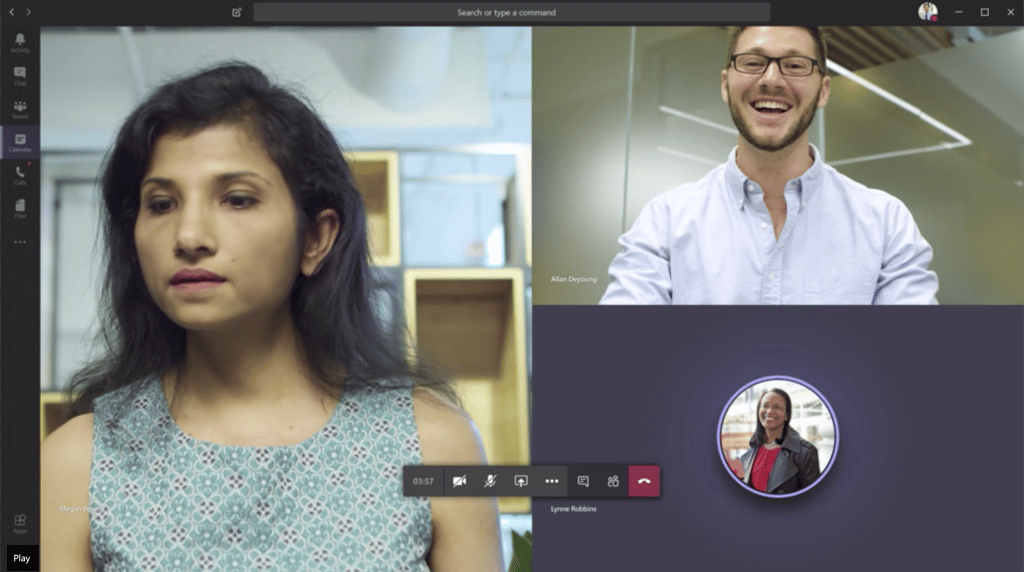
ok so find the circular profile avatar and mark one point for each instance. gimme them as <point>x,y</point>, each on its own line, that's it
<point>778,436</point>
<point>928,12</point>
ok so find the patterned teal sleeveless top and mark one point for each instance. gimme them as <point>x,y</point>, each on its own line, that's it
<point>161,500</point>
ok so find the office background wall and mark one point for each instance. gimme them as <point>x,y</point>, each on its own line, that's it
<point>623,114</point>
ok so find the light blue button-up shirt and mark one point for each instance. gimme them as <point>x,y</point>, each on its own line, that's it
<point>713,242</point>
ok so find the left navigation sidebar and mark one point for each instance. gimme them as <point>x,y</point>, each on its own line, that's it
<point>19,287</point>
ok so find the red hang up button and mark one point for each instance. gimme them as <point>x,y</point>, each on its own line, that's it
<point>644,481</point>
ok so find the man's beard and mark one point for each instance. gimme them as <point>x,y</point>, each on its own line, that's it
<point>764,144</point>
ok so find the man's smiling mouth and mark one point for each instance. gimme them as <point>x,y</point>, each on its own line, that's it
<point>771,106</point>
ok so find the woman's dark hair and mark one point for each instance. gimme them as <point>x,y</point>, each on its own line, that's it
<point>344,340</point>
<point>760,436</point>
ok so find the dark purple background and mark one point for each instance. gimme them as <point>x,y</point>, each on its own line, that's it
<point>929,473</point>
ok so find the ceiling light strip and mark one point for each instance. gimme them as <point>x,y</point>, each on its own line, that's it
<point>695,119</point>
<point>668,151</point>
<point>961,140</point>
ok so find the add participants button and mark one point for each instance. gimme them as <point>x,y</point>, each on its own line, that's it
<point>644,481</point>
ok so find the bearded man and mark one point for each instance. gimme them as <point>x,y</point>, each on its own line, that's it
<point>774,224</point>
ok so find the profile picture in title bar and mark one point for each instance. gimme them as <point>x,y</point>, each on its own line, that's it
<point>928,12</point>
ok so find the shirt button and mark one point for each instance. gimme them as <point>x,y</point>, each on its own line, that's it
<point>764,225</point>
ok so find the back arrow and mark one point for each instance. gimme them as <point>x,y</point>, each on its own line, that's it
<point>28,12</point>
<point>11,12</point>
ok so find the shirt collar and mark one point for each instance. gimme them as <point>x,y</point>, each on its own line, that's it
<point>806,184</point>
<point>792,440</point>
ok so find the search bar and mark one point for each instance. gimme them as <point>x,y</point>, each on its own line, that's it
<point>527,14</point>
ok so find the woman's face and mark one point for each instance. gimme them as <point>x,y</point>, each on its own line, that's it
<point>216,232</point>
<point>772,412</point>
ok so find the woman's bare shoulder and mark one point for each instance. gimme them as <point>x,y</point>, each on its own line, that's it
<point>69,448</point>
<point>466,533</point>
<point>65,464</point>
<point>448,435</point>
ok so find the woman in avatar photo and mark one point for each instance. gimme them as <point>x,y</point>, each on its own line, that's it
<point>778,461</point>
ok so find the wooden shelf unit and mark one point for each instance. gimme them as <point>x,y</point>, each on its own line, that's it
<point>376,176</point>
<point>52,407</point>
<point>473,322</point>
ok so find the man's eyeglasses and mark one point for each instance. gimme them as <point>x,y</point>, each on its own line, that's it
<point>792,66</point>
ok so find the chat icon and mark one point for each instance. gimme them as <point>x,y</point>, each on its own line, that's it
<point>583,481</point>
<point>20,72</point>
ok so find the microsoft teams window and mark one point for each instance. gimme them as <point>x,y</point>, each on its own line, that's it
<point>530,180</point>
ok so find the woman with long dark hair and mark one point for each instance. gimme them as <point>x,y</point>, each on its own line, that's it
<point>778,461</point>
<point>250,411</point>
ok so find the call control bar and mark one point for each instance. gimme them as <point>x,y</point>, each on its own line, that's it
<point>573,481</point>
